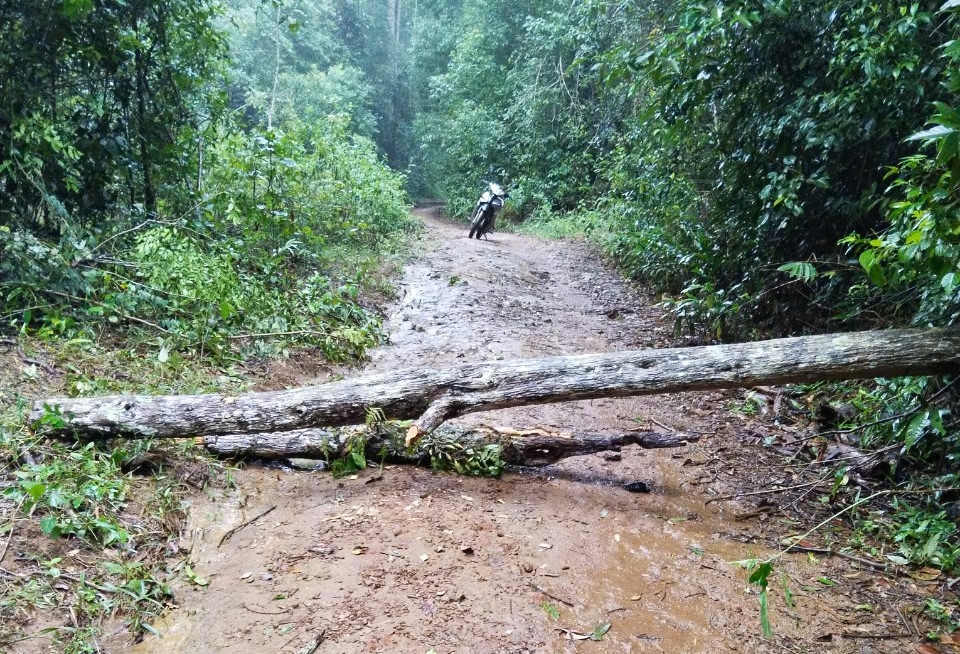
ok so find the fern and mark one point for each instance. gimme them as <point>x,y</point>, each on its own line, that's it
<point>802,270</point>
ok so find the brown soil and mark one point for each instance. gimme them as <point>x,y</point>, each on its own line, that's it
<point>410,561</point>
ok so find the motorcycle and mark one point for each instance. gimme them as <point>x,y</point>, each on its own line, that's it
<point>489,205</point>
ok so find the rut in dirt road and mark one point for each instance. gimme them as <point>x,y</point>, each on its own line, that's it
<point>405,560</point>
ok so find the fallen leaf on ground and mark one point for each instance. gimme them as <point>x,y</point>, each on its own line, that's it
<point>570,634</point>
<point>925,574</point>
<point>600,631</point>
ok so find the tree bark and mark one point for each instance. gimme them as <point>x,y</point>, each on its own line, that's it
<point>276,70</point>
<point>149,193</point>
<point>534,447</point>
<point>436,395</point>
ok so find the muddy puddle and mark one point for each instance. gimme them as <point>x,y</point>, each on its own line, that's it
<point>408,560</point>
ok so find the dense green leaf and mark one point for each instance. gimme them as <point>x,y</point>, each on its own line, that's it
<point>936,132</point>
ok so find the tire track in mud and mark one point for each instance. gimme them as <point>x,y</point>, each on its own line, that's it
<point>414,561</point>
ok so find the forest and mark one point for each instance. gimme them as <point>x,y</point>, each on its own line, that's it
<point>216,196</point>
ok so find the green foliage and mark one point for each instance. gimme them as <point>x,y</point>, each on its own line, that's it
<point>521,99</point>
<point>760,572</point>
<point>600,631</point>
<point>75,495</point>
<point>552,610</point>
<point>914,413</point>
<point>947,616</point>
<point>555,224</point>
<point>98,105</point>
<point>913,265</point>
<point>314,60</point>
<point>284,213</point>
<point>153,205</point>
<point>926,537</point>
<point>803,271</point>
<point>353,460</point>
<point>756,137</point>
<point>710,144</point>
<point>446,452</point>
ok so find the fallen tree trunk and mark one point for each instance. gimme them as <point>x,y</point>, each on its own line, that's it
<point>533,447</point>
<point>433,395</point>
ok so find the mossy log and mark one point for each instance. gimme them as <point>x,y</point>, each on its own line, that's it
<point>532,447</point>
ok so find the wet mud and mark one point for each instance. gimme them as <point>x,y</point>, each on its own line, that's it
<point>409,560</point>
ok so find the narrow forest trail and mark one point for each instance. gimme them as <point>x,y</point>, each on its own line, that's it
<point>418,561</point>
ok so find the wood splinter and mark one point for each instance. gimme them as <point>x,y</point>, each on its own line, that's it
<point>436,414</point>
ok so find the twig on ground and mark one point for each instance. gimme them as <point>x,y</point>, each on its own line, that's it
<point>303,332</point>
<point>659,424</point>
<point>740,517</point>
<point>13,521</point>
<point>763,492</point>
<point>249,522</point>
<point>862,500</point>
<point>853,635</point>
<point>906,623</point>
<point>258,611</point>
<point>46,367</point>
<point>823,551</point>
<point>550,595</point>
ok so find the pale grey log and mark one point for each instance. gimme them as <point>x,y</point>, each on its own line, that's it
<point>443,393</point>
<point>524,448</point>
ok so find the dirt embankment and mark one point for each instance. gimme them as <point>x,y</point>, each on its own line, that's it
<point>411,561</point>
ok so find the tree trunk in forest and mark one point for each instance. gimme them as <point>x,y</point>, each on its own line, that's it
<point>392,19</point>
<point>433,395</point>
<point>149,193</point>
<point>397,23</point>
<point>533,447</point>
<point>276,70</point>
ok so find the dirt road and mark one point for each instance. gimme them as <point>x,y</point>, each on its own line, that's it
<point>417,561</point>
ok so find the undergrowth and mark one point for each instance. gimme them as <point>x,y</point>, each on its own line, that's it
<point>448,453</point>
<point>893,498</point>
<point>444,451</point>
<point>295,227</point>
<point>91,530</point>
